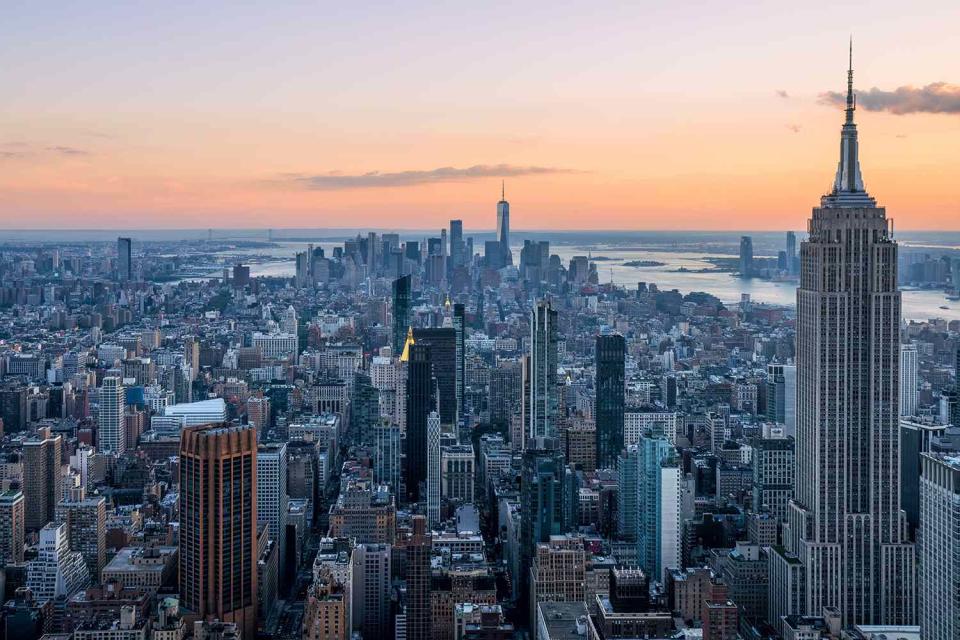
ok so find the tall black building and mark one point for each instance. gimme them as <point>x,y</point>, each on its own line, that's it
<point>611,353</point>
<point>543,503</point>
<point>443,355</point>
<point>401,312</point>
<point>421,400</point>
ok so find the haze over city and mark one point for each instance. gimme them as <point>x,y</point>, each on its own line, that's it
<point>609,116</point>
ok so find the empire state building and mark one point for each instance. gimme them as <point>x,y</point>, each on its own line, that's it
<point>845,523</point>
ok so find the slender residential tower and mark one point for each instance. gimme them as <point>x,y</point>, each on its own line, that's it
<point>845,523</point>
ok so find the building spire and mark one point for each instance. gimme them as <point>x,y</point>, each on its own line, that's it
<point>503,191</point>
<point>849,181</point>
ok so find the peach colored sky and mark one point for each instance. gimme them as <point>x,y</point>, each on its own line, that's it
<point>598,115</point>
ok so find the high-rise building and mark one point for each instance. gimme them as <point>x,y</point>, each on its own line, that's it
<point>457,247</point>
<point>849,529</point>
<point>457,472</point>
<point>370,592</point>
<point>442,342</point>
<point>543,404</point>
<point>58,571</point>
<point>782,396</point>
<point>658,507</point>
<point>124,260</point>
<point>401,312</point>
<point>218,523</point>
<point>542,493</point>
<point>503,227</point>
<point>774,468</point>
<point>273,498</point>
<point>610,389</point>
<point>12,523</point>
<point>111,435</point>
<point>627,464</point>
<point>558,572</point>
<point>938,582</point>
<point>418,610</point>
<point>746,256</point>
<point>420,402</point>
<point>459,328</point>
<point>433,469</point>
<point>908,380</point>
<point>791,252</point>
<point>41,478</point>
<point>86,520</point>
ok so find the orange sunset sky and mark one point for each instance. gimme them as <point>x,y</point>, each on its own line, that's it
<point>688,115</point>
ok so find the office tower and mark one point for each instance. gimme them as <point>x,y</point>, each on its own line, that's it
<point>544,337</point>
<point>781,389</point>
<point>241,276</point>
<point>846,508</point>
<point>110,432</point>
<point>774,467</point>
<point>938,582</point>
<point>13,408</point>
<point>41,478</point>
<point>916,438</point>
<point>746,256</point>
<point>273,498</point>
<point>418,608</point>
<point>908,379</point>
<point>506,391</point>
<point>558,572</point>
<point>457,247</point>
<point>370,592</point>
<point>191,356</point>
<point>12,523</point>
<point>459,328</point>
<point>442,343</point>
<point>364,408</point>
<point>401,312</point>
<point>503,227</point>
<point>457,472</point>
<point>218,523</point>
<point>658,507</point>
<point>791,252</point>
<point>124,260</point>
<point>58,571</point>
<point>86,521</point>
<point>611,355</point>
<point>433,469</point>
<point>420,402</point>
<point>364,511</point>
<point>627,464</point>
<point>542,493</point>
<point>386,468</point>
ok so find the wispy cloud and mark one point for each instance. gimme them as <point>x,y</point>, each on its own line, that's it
<point>68,151</point>
<point>938,97</point>
<point>374,180</point>
<point>794,127</point>
<point>783,94</point>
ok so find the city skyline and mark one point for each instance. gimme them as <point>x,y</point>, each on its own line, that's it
<point>630,119</point>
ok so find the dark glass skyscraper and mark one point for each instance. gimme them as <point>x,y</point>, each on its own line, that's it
<point>541,502</point>
<point>459,317</point>
<point>401,312</point>
<point>421,400</point>
<point>543,371</point>
<point>124,260</point>
<point>611,354</point>
<point>443,355</point>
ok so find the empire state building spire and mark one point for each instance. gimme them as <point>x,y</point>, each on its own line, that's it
<point>848,190</point>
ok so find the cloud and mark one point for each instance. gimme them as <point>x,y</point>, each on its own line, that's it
<point>375,179</point>
<point>783,94</point>
<point>13,155</point>
<point>794,127</point>
<point>938,97</point>
<point>68,151</point>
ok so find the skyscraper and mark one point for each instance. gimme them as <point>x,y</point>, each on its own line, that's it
<point>543,371</point>
<point>442,342</point>
<point>273,498</point>
<point>401,312</point>
<point>12,523</point>
<point>457,247</point>
<point>541,501</point>
<point>124,260</point>
<point>86,520</point>
<point>658,507</point>
<point>939,547</point>
<point>421,400</point>
<point>908,379</point>
<point>419,612</point>
<point>433,468</point>
<point>503,227</point>
<point>370,593</point>
<point>459,328</point>
<point>746,256</point>
<point>791,251</point>
<point>611,354</point>
<point>846,522</point>
<point>218,523</point>
<point>41,478</point>
<point>782,396</point>
<point>110,433</point>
